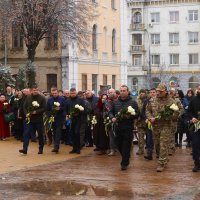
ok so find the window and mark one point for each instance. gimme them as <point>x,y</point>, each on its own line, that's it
<point>137,39</point>
<point>104,79</point>
<point>113,4</point>
<point>173,38</point>
<point>155,38</point>
<point>94,37</point>
<point>174,16</point>
<point>155,82</point>
<point>52,39</point>
<point>114,41</point>
<point>137,18</point>
<point>155,59</point>
<point>193,15</point>
<point>17,37</point>
<point>94,82</point>
<point>137,60</point>
<point>193,58</point>
<point>113,81</point>
<point>51,81</point>
<point>193,37</point>
<point>155,17</point>
<point>193,82</point>
<point>174,59</point>
<point>84,82</point>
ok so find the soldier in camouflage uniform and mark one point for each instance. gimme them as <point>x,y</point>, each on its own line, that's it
<point>161,130</point>
<point>140,123</point>
<point>174,122</point>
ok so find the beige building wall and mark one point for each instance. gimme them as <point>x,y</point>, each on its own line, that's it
<point>46,61</point>
<point>103,61</point>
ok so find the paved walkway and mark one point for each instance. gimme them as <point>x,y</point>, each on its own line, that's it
<point>12,160</point>
<point>93,177</point>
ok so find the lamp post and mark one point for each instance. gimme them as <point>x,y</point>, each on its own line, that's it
<point>149,81</point>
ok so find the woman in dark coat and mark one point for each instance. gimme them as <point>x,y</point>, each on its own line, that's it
<point>101,139</point>
<point>180,124</point>
<point>4,126</point>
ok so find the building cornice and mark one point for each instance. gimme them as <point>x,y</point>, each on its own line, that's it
<point>159,2</point>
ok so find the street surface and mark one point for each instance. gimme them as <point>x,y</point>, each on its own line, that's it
<point>89,176</point>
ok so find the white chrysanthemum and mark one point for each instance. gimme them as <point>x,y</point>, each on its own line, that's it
<point>77,106</point>
<point>57,104</point>
<point>174,107</point>
<point>81,108</point>
<point>131,110</point>
<point>35,104</point>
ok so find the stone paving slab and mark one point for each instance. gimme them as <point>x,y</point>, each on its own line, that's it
<point>97,177</point>
<point>12,160</point>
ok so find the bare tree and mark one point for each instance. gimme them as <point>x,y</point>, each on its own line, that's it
<point>37,18</point>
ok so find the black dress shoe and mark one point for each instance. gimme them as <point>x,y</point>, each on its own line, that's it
<point>123,167</point>
<point>55,150</point>
<point>72,151</point>
<point>78,152</point>
<point>40,152</point>
<point>196,168</point>
<point>89,145</point>
<point>23,151</point>
<point>148,157</point>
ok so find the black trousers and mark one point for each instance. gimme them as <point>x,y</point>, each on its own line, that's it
<point>75,130</point>
<point>123,141</point>
<point>196,147</point>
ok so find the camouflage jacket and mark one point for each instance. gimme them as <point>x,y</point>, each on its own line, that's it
<point>157,105</point>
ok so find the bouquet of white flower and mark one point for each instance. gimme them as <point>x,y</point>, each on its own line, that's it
<point>54,111</point>
<point>76,111</point>
<point>108,123</point>
<point>124,113</point>
<point>5,104</point>
<point>167,111</point>
<point>31,109</point>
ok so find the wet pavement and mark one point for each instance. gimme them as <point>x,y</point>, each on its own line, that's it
<point>97,177</point>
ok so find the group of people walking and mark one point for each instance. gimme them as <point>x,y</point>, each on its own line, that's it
<point>161,116</point>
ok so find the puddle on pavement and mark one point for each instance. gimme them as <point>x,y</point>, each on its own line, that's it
<point>70,188</point>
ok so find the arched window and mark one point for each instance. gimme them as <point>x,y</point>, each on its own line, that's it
<point>193,82</point>
<point>137,18</point>
<point>155,82</point>
<point>94,37</point>
<point>114,41</point>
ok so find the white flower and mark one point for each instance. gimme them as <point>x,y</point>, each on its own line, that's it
<point>57,104</point>
<point>131,110</point>
<point>81,108</point>
<point>35,104</point>
<point>77,106</point>
<point>174,107</point>
<point>108,118</point>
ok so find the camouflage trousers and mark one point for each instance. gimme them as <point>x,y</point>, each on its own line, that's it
<point>141,133</point>
<point>172,138</point>
<point>161,137</point>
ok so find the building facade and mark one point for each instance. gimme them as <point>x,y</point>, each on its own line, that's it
<point>61,63</point>
<point>99,65</point>
<point>164,38</point>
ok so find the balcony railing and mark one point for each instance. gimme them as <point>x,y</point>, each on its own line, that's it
<point>137,27</point>
<point>136,48</point>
